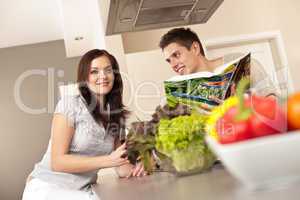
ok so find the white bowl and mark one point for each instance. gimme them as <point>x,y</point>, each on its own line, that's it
<point>262,162</point>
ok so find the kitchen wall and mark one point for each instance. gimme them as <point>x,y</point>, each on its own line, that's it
<point>37,69</point>
<point>236,17</point>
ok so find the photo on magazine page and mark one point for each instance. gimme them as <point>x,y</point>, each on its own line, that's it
<point>205,90</point>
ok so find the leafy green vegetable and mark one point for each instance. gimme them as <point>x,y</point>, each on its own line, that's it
<point>140,142</point>
<point>182,139</point>
<point>176,135</point>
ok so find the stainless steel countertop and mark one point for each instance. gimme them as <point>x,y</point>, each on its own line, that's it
<point>216,184</point>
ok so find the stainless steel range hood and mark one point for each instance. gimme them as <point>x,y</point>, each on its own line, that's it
<point>137,15</point>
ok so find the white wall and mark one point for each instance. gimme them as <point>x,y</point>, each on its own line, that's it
<point>146,78</point>
<point>24,136</point>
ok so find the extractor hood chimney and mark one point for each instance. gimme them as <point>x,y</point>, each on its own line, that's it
<point>137,15</point>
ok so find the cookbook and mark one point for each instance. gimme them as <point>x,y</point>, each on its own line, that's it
<point>205,90</point>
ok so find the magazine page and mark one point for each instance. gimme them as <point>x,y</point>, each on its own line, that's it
<point>207,89</point>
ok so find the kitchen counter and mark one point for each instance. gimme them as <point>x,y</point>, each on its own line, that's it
<point>216,184</point>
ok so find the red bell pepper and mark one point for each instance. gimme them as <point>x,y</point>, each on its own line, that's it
<point>254,116</point>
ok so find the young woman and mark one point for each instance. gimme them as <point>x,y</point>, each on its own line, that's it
<point>85,134</point>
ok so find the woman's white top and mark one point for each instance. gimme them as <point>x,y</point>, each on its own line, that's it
<point>90,139</point>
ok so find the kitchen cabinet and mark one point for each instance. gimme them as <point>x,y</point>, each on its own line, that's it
<point>82,25</point>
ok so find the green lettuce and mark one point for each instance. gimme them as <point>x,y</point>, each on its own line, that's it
<point>182,140</point>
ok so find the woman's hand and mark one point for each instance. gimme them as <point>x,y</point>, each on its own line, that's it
<point>116,156</point>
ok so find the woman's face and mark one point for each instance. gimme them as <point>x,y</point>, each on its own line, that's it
<point>101,76</point>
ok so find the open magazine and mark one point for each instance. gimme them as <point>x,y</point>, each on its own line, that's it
<point>205,90</point>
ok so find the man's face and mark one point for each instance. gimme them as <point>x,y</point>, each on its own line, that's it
<point>182,60</point>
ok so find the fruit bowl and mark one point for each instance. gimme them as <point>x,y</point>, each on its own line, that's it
<point>261,162</point>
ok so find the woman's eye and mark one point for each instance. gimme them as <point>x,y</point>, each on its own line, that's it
<point>94,72</point>
<point>109,70</point>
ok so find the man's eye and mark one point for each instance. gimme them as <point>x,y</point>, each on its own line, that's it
<point>177,55</point>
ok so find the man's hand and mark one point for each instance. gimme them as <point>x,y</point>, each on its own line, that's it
<point>138,170</point>
<point>129,170</point>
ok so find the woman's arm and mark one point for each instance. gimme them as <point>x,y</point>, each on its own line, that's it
<point>62,161</point>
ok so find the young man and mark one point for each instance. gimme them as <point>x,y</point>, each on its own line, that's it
<point>184,52</point>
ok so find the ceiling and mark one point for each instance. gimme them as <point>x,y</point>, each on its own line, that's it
<point>27,22</point>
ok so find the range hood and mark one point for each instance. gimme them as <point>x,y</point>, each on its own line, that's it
<point>137,15</point>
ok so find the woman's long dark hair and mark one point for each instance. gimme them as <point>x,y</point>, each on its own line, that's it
<point>114,119</point>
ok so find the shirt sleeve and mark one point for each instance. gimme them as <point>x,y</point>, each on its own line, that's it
<point>67,107</point>
<point>261,81</point>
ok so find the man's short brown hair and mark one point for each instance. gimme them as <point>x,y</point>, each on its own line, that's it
<point>182,36</point>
